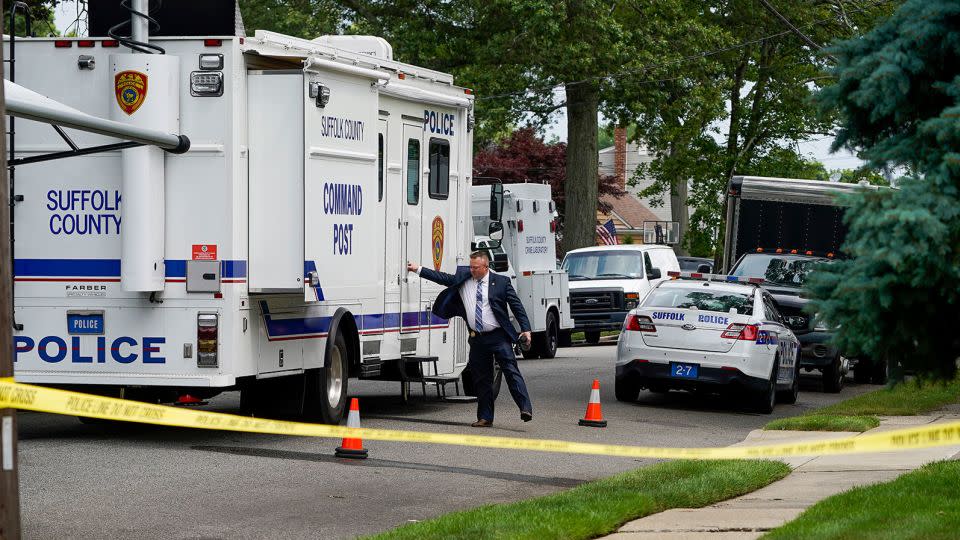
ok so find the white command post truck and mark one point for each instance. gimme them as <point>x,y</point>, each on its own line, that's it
<point>528,254</point>
<point>270,257</point>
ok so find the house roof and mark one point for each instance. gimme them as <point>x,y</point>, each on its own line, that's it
<point>629,210</point>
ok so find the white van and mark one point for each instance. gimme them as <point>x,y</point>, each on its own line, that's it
<point>606,282</point>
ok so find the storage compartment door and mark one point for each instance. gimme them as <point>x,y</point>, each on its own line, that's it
<point>275,135</point>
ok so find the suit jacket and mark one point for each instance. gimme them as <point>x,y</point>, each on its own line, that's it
<point>500,295</point>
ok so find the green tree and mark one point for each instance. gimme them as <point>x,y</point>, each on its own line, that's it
<point>897,94</point>
<point>300,18</point>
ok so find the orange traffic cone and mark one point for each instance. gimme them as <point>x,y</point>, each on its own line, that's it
<point>352,447</point>
<point>594,416</point>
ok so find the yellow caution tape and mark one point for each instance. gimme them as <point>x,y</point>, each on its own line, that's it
<point>49,400</point>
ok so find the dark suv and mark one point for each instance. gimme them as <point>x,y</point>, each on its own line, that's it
<point>783,276</point>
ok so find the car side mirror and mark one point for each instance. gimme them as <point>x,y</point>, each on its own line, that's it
<point>654,273</point>
<point>704,269</point>
<point>495,232</point>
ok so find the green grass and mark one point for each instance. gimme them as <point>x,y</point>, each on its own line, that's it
<point>859,413</point>
<point>578,336</point>
<point>921,504</point>
<point>824,422</point>
<point>597,508</point>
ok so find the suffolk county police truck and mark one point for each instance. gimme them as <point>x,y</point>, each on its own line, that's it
<point>270,257</point>
<point>528,254</point>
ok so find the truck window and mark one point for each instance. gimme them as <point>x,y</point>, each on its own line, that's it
<point>784,270</point>
<point>719,301</point>
<point>413,171</point>
<point>439,184</point>
<point>379,167</point>
<point>604,265</point>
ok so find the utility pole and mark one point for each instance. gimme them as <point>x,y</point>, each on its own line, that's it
<point>9,484</point>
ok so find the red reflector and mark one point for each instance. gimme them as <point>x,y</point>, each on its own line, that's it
<point>401,75</point>
<point>212,42</point>
<point>779,250</point>
<point>553,226</point>
<point>218,295</point>
<point>241,41</point>
<point>520,226</point>
<point>468,91</point>
<point>86,43</point>
<point>673,273</point>
<point>641,361</point>
<point>829,255</point>
<point>729,368</point>
<point>528,273</point>
<point>759,250</point>
<point>696,275</point>
<point>809,253</point>
<point>793,251</point>
<point>109,43</point>
<point>62,43</point>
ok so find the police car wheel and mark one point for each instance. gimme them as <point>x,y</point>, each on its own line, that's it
<point>625,390</point>
<point>766,399</point>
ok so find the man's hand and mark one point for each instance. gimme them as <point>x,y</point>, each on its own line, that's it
<point>412,267</point>
<point>526,335</point>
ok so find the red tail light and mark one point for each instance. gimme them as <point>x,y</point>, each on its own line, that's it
<point>745,332</point>
<point>520,225</point>
<point>212,42</point>
<point>86,43</point>
<point>109,43</point>
<point>639,323</point>
<point>62,43</point>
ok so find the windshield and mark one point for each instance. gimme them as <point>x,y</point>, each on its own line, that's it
<point>604,265</point>
<point>786,270</point>
<point>707,300</point>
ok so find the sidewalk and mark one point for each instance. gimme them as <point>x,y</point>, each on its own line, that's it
<point>812,479</point>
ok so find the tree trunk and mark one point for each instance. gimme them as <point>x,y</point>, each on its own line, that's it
<point>580,216</point>
<point>679,210</point>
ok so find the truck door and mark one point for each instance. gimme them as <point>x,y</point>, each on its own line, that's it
<point>389,192</point>
<point>410,226</point>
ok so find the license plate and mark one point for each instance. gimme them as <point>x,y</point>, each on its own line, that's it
<point>85,323</point>
<point>683,371</point>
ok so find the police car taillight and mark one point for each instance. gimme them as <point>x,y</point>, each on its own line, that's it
<point>207,338</point>
<point>745,332</point>
<point>639,323</point>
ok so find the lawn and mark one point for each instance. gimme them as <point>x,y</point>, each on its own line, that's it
<point>859,413</point>
<point>601,507</point>
<point>921,504</point>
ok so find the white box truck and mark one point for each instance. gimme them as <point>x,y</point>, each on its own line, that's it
<point>269,258</point>
<point>528,254</point>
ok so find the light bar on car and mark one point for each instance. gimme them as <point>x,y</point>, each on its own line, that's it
<point>714,277</point>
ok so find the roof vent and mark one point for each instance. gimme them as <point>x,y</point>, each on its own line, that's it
<point>369,45</point>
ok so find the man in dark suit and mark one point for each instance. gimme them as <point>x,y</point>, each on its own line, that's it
<point>481,298</point>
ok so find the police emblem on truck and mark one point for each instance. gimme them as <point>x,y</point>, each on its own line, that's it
<point>131,88</point>
<point>437,244</point>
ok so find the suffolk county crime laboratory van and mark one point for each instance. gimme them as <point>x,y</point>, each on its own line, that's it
<point>267,258</point>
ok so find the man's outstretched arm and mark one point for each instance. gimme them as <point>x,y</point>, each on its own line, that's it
<point>442,278</point>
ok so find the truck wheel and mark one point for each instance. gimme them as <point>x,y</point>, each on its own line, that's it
<point>879,372</point>
<point>563,339</point>
<point>833,376</point>
<point>548,341</point>
<point>327,386</point>
<point>592,336</point>
<point>625,390</point>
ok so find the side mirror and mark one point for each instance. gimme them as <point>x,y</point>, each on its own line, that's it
<point>704,269</point>
<point>654,273</point>
<point>496,231</point>
<point>496,202</point>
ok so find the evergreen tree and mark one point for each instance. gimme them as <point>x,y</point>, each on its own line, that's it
<point>897,92</point>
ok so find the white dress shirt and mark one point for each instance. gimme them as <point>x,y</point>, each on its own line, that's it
<point>468,294</point>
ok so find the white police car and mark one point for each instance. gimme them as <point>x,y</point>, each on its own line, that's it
<point>708,332</point>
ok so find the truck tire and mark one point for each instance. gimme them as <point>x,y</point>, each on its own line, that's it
<point>547,341</point>
<point>327,387</point>
<point>563,340</point>
<point>765,400</point>
<point>592,336</point>
<point>833,376</point>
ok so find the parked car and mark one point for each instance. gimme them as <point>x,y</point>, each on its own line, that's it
<point>696,264</point>
<point>718,334</point>
<point>606,282</point>
<point>783,276</point>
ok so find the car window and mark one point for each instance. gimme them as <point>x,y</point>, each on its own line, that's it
<point>705,299</point>
<point>647,265</point>
<point>609,264</point>
<point>770,307</point>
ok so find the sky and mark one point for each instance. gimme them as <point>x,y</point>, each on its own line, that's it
<point>818,148</point>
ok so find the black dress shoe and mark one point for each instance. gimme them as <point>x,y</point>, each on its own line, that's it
<point>481,423</point>
<point>526,416</point>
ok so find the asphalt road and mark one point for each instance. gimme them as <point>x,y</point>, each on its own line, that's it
<point>82,481</point>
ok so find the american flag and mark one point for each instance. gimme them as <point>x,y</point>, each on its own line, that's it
<point>608,233</point>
